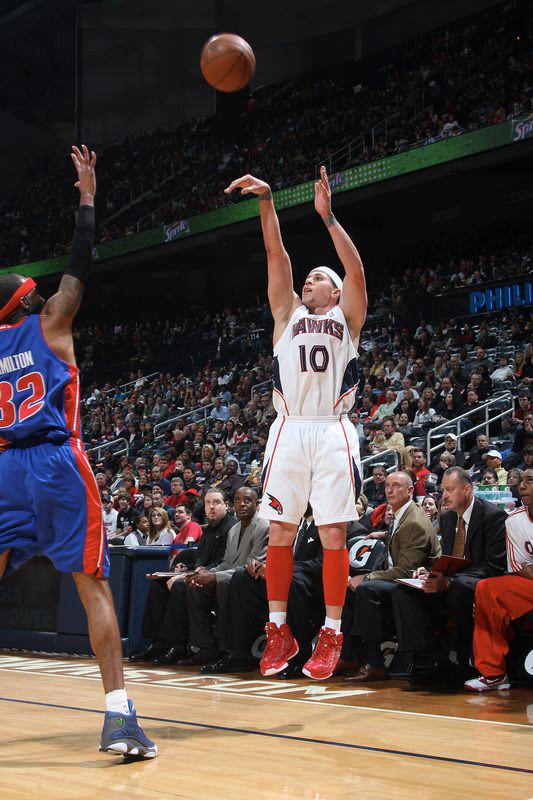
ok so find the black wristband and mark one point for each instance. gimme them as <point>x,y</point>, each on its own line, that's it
<point>80,256</point>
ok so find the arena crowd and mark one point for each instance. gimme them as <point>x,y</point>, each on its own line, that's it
<point>474,73</point>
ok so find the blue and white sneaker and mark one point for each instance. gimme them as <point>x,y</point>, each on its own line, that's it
<point>122,735</point>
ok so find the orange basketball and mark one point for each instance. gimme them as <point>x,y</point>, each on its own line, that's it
<point>227,62</point>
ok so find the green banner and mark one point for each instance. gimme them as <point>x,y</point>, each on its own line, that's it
<point>466,144</point>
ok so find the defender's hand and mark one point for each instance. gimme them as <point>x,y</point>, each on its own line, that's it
<point>323,195</point>
<point>84,162</point>
<point>249,185</point>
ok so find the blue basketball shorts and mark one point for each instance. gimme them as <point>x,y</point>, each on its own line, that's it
<point>50,505</point>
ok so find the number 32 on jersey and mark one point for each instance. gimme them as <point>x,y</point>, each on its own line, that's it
<point>33,383</point>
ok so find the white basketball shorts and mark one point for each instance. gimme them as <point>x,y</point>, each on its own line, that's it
<point>315,460</point>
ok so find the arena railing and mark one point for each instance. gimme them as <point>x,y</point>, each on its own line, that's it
<point>119,447</point>
<point>455,426</point>
<point>256,389</point>
<point>198,414</point>
<point>382,459</point>
<point>149,379</point>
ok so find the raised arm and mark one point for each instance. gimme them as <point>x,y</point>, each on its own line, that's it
<point>354,299</point>
<point>59,311</point>
<point>281,295</point>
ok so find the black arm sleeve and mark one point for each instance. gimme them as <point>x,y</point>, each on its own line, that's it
<point>80,256</point>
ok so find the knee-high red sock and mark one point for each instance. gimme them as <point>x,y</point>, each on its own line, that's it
<point>335,572</point>
<point>279,568</point>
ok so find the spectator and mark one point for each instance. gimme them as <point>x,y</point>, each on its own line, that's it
<point>475,459</point>
<point>388,438</point>
<point>139,535</point>
<point>493,460</point>
<point>165,620</point>
<point>429,506</point>
<point>110,515</point>
<point>177,495</point>
<point>502,373</point>
<point>412,544</point>
<point>446,460</point>
<point>127,516</point>
<point>159,530</point>
<point>489,477</point>
<point>187,531</point>
<point>375,489</point>
<point>207,590</point>
<point>420,472</point>
<point>470,528</point>
<point>231,481</point>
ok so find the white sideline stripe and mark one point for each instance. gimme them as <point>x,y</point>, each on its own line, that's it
<point>314,703</point>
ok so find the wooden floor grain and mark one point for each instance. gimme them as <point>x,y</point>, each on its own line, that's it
<point>244,737</point>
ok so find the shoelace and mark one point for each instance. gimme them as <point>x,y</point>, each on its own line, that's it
<point>324,646</point>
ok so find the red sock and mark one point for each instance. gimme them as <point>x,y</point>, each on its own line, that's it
<point>335,572</point>
<point>279,568</point>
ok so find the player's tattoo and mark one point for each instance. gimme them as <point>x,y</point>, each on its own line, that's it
<point>329,220</point>
<point>68,299</point>
<point>266,195</point>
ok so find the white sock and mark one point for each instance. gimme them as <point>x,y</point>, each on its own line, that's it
<point>117,700</point>
<point>279,618</point>
<point>333,623</point>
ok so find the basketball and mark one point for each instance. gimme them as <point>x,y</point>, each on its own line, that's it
<point>227,62</point>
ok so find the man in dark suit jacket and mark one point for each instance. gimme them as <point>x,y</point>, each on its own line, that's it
<point>248,606</point>
<point>208,590</point>
<point>165,619</point>
<point>412,543</point>
<point>472,529</point>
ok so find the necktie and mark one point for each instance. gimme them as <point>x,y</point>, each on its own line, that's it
<point>301,535</point>
<point>387,558</point>
<point>460,539</point>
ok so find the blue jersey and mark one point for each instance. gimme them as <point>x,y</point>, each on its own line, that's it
<point>39,392</point>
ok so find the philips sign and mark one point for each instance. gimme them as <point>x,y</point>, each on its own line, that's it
<point>513,296</point>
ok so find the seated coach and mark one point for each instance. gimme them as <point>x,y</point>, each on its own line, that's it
<point>411,543</point>
<point>470,528</point>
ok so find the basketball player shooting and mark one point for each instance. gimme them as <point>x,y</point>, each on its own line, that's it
<point>312,454</point>
<point>49,500</point>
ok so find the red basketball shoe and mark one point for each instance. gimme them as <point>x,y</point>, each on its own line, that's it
<point>325,656</point>
<point>281,646</point>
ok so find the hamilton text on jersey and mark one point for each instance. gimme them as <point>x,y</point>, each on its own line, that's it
<point>309,325</point>
<point>16,361</point>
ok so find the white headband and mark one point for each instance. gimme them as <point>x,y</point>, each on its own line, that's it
<point>337,280</point>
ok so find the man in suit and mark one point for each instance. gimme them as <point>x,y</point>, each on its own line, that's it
<point>247,610</point>
<point>470,528</point>
<point>412,543</point>
<point>165,619</point>
<point>207,590</point>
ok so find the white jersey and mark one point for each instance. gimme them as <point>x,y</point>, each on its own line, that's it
<point>519,531</point>
<point>315,365</point>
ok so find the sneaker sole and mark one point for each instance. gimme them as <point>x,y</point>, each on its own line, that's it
<point>274,671</point>
<point>316,677</point>
<point>123,749</point>
<point>501,688</point>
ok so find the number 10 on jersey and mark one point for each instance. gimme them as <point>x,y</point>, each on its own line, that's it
<point>318,358</point>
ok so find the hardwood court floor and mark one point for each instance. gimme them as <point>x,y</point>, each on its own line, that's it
<point>243,737</point>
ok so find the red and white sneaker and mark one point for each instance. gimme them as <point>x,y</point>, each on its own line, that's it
<point>482,684</point>
<point>325,656</point>
<point>281,646</point>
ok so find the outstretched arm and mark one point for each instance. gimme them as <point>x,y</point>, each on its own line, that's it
<point>353,298</point>
<point>281,295</point>
<point>60,310</point>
